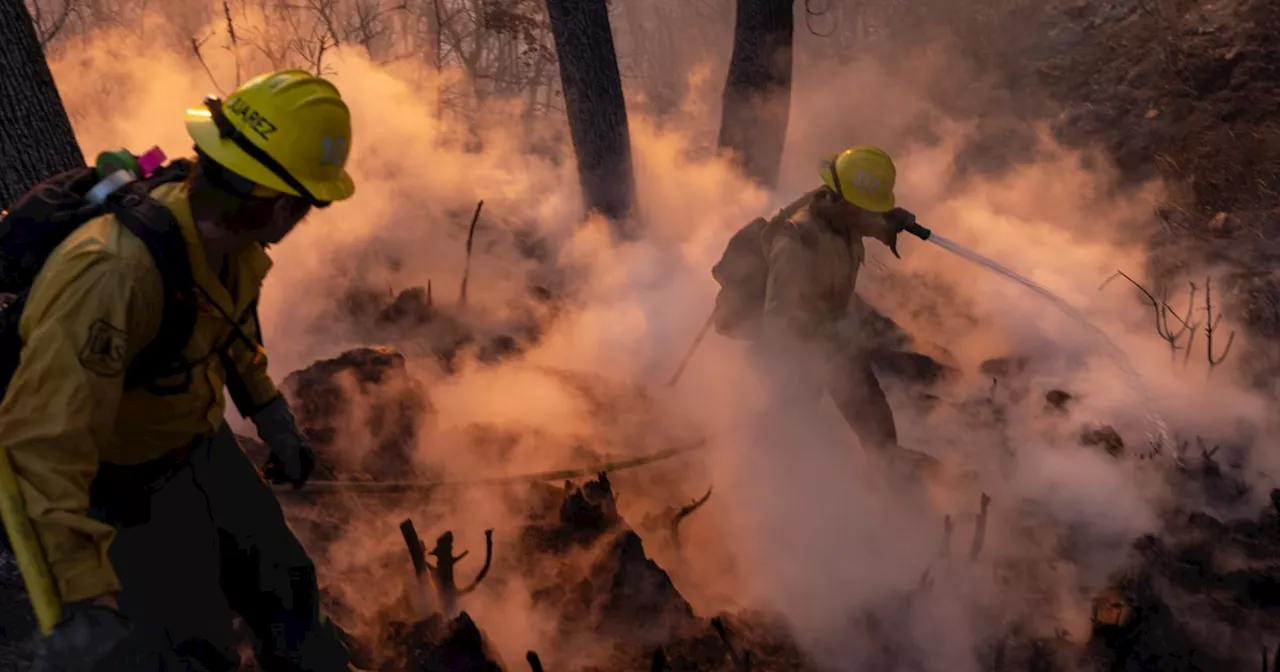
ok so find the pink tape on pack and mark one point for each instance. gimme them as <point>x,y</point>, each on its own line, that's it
<point>150,161</point>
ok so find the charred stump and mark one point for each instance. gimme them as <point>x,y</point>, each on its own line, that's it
<point>363,398</point>
<point>619,592</point>
<point>437,645</point>
<point>443,572</point>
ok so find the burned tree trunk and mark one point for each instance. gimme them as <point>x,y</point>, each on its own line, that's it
<point>757,92</point>
<point>593,99</point>
<point>36,139</point>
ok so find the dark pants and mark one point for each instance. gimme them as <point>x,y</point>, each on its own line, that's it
<point>798,377</point>
<point>214,541</point>
<point>857,394</point>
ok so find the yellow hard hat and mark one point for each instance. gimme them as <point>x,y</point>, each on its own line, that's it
<point>287,130</point>
<point>864,176</point>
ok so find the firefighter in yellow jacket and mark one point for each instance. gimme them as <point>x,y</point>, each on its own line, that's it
<point>154,523</point>
<point>813,259</point>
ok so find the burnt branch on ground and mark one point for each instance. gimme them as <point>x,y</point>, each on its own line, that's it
<point>1207,464</point>
<point>659,662</point>
<point>1162,312</point>
<point>466,268</point>
<point>683,513</point>
<point>1174,334</point>
<point>1211,324</point>
<point>980,528</point>
<point>417,550</point>
<point>443,571</point>
<point>741,662</point>
<point>484,570</point>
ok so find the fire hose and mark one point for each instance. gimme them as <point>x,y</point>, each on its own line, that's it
<point>382,487</point>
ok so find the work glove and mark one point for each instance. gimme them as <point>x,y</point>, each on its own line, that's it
<point>896,221</point>
<point>291,459</point>
<point>89,637</point>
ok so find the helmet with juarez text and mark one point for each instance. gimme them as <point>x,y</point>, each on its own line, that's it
<point>863,176</point>
<point>288,131</point>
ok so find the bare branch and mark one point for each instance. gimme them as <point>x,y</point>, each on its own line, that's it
<point>466,269</point>
<point>685,512</point>
<point>741,662</point>
<point>235,43</point>
<point>47,33</point>
<point>1212,324</point>
<point>980,528</point>
<point>195,47</point>
<point>443,572</point>
<point>1162,313</point>
<point>810,14</point>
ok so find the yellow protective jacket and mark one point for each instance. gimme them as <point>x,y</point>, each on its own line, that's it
<point>813,268</point>
<point>95,303</point>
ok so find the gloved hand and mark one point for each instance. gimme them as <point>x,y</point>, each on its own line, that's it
<point>89,635</point>
<point>291,459</point>
<point>896,221</point>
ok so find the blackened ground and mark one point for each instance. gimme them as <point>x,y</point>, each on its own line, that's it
<point>1205,596</point>
<point>434,645</point>
<point>1189,91</point>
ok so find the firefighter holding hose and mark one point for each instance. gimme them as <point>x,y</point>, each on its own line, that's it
<point>787,284</point>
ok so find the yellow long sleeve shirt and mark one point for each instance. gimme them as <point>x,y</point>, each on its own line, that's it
<point>94,305</point>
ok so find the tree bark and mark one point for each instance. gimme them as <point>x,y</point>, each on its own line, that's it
<point>597,111</point>
<point>36,139</point>
<point>757,92</point>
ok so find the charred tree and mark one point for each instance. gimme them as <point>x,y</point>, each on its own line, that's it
<point>593,100</point>
<point>36,139</point>
<point>757,92</point>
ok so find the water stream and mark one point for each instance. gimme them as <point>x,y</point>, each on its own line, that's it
<point>1160,437</point>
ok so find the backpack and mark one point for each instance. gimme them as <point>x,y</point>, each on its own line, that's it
<point>52,210</point>
<point>743,273</point>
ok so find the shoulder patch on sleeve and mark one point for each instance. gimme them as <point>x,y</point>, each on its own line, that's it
<point>103,351</point>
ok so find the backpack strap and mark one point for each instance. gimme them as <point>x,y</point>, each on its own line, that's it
<point>155,225</point>
<point>235,382</point>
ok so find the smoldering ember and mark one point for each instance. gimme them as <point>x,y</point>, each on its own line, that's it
<point>698,335</point>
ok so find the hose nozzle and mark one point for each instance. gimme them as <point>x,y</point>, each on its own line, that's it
<point>915,229</point>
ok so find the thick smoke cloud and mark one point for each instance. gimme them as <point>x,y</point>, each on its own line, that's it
<point>801,523</point>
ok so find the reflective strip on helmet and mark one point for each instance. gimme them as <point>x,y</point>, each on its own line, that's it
<point>865,180</point>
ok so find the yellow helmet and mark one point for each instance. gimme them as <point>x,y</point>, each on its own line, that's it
<point>287,130</point>
<point>864,176</point>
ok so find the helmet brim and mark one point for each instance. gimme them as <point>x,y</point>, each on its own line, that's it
<point>204,133</point>
<point>877,205</point>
